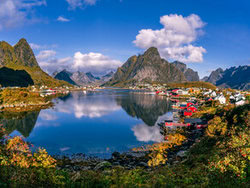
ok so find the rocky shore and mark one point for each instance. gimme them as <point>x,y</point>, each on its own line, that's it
<point>129,160</point>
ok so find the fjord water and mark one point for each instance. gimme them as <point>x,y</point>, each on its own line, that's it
<point>94,123</point>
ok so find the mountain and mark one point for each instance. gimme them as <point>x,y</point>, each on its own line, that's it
<point>91,77</point>
<point>21,57</point>
<point>65,76</point>
<point>10,78</point>
<point>107,77</point>
<point>214,76</point>
<point>189,74</point>
<point>234,77</point>
<point>149,67</point>
<point>81,78</point>
<point>76,78</point>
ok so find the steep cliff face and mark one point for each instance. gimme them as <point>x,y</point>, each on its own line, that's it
<point>21,57</point>
<point>234,77</point>
<point>215,76</point>
<point>25,54</point>
<point>189,74</point>
<point>65,76</point>
<point>149,67</point>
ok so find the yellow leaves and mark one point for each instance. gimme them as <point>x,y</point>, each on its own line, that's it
<point>17,152</point>
<point>157,158</point>
<point>216,127</point>
<point>158,153</point>
<point>43,159</point>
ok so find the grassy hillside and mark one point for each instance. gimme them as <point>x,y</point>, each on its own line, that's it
<point>21,57</point>
<point>199,84</point>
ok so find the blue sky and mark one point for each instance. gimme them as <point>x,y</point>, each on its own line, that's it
<point>99,35</point>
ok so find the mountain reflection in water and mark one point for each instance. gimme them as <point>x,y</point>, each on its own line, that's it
<point>96,123</point>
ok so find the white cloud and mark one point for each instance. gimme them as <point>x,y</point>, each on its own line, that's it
<point>46,54</point>
<point>73,4</point>
<point>175,39</point>
<point>41,47</point>
<point>62,19</point>
<point>94,62</point>
<point>54,64</point>
<point>17,12</point>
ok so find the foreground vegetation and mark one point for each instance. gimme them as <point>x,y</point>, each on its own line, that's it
<point>219,159</point>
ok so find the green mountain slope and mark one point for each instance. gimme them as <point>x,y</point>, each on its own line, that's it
<point>21,57</point>
<point>149,67</point>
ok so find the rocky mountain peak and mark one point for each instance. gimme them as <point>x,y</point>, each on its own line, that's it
<point>152,51</point>
<point>189,74</point>
<point>24,52</point>
<point>181,66</point>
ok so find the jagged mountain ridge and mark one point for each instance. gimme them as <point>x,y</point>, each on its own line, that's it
<point>149,67</point>
<point>21,57</point>
<point>234,77</point>
<point>189,74</point>
<point>81,78</point>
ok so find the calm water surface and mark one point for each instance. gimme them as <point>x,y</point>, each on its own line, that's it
<point>93,123</point>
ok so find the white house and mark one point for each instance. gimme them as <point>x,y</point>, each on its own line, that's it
<point>221,99</point>
<point>213,94</point>
<point>240,102</point>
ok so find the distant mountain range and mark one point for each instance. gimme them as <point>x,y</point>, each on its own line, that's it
<point>150,67</point>
<point>81,78</point>
<point>234,77</point>
<point>19,67</point>
<point>21,57</point>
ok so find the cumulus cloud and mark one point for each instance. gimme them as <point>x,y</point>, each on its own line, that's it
<point>62,19</point>
<point>43,55</point>
<point>17,12</point>
<point>94,62</point>
<point>49,62</point>
<point>175,39</point>
<point>73,4</point>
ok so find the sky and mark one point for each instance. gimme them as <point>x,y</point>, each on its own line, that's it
<point>100,35</point>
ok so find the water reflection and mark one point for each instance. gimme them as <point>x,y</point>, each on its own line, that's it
<point>90,105</point>
<point>145,107</point>
<point>93,123</point>
<point>146,133</point>
<point>23,122</point>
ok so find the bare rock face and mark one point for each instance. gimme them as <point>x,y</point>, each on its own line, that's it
<point>149,67</point>
<point>215,76</point>
<point>189,74</point>
<point>24,52</point>
<point>234,77</point>
<point>21,57</point>
<point>65,76</point>
<point>81,78</point>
